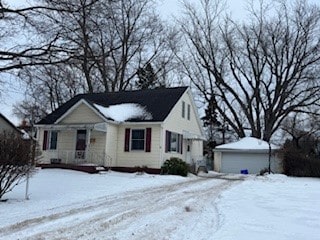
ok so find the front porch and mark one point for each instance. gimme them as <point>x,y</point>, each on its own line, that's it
<point>77,144</point>
<point>79,157</point>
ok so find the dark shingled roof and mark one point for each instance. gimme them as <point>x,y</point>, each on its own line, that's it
<point>158,102</point>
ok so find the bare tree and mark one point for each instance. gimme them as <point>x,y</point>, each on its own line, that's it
<point>107,41</point>
<point>104,42</point>
<point>299,126</point>
<point>15,156</point>
<point>21,46</point>
<point>259,71</point>
<point>48,87</point>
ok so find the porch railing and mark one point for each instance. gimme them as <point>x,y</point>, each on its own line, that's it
<point>84,157</point>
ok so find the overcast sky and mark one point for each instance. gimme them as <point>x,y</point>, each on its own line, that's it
<point>13,93</point>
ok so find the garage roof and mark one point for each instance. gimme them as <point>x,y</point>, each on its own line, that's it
<point>247,143</point>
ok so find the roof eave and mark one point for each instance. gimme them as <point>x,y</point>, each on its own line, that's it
<point>243,150</point>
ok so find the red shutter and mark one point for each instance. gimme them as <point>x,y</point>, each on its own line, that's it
<point>168,136</point>
<point>181,143</point>
<point>45,140</point>
<point>148,140</point>
<point>127,140</point>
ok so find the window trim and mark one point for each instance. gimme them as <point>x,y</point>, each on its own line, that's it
<point>172,136</point>
<point>47,140</point>
<point>179,138</point>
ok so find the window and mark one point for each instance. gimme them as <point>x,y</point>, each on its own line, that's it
<point>183,109</point>
<point>173,142</point>
<point>53,140</point>
<point>137,139</point>
<point>50,140</point>
<point>188,114</point>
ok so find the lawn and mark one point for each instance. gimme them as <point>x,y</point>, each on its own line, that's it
<point>67,204</point>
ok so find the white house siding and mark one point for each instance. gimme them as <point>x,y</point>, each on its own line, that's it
<point>217,161</point>
<point>65,145</point>
<point>97,147</point>
<point>112,143</point>
<point>139,158</point>
<point>176,123</point>
<point>197,150</point>
<point>81,114</point>
<point>45,155</point>
<point>65,142</point>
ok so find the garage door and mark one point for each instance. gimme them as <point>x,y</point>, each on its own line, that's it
<point>235,162</point>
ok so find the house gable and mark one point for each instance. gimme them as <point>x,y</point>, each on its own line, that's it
<point>81,112</point>
<point>6,125</point>
<point>187,122</point>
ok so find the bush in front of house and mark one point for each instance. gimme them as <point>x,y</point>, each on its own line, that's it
<point>175,166</point>
<point>15,161</point>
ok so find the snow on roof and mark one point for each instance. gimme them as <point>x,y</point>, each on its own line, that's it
<point>248,143</point>
<point>25,135</point>
<point>124,112</point>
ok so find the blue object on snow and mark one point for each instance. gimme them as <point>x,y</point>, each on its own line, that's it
<point>244,171</point>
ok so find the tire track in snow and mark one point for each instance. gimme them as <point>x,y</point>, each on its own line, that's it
<point>84,207</point>
<point>98,219</point>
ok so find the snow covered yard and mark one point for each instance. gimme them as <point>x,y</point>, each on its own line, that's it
<point>73,205</point>
<point>271,207</point>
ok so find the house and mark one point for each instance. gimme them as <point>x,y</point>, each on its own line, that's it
<point>248,154</point>
<point>6,125</point>
<point>123,129</point>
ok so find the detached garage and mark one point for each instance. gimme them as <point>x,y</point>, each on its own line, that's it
<point>249,154</point>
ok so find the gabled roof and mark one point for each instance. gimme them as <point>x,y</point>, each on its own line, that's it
<point>158,102</point>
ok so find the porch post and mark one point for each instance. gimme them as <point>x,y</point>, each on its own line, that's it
<point>88,144</point>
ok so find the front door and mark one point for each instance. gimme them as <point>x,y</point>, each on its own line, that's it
<point>81,142</point>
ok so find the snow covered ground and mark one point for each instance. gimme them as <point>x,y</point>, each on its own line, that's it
<point>73,205</point>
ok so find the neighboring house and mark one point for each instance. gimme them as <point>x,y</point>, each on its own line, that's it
<point>6,125</point>
<point>249,154</point>
<point>123,129</point>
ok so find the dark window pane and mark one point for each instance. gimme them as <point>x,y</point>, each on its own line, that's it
<point>53,140</point>
<point>137,139</point>
<point>137,145</point>
<point>183,109</point>
<point>138,134</point>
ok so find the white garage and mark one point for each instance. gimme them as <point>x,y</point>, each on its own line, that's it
<point>249,154</point>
